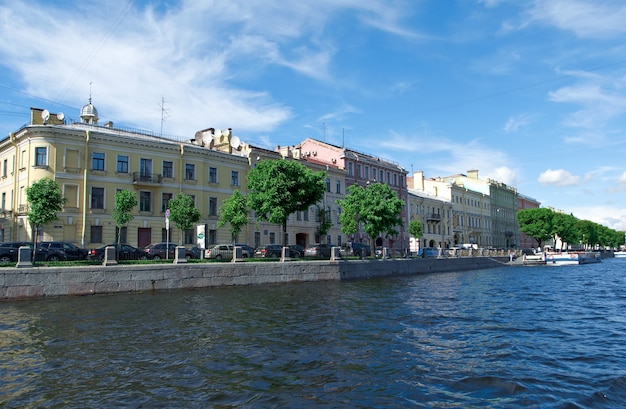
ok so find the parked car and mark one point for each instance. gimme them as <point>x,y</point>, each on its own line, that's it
<point>59,251</point>
<point>269,251</point>
<point>9,250</point>
<point>352,249</point>
<point>318,251</point>
<point>391,252</point>
<point>248,251</point>
<point>296,250</point>
<point>223,251</point>
<point>124,252</point>
<point>158,251</point>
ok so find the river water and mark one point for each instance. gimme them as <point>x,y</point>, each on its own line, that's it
<point>512,337</point>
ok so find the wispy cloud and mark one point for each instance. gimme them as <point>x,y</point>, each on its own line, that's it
<point>514,124</point>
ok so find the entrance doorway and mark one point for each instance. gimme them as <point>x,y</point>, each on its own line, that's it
<point>144,236</point>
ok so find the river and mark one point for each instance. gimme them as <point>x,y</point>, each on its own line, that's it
<point>511,337</point>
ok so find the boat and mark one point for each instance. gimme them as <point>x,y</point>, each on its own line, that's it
<point>619,254</point>
<point>537,259</point>
<point>572,257</point>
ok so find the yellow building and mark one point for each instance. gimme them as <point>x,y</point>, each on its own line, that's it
<point>91,162</point>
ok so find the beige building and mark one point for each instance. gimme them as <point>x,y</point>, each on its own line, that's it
<point>470,218</point>
<point>435,215</point>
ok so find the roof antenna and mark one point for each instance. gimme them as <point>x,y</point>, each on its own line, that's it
<point>163,113</point>
<point>91,82</point>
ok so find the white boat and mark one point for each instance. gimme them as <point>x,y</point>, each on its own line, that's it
<point>572,257</point>
<point>619,254</point>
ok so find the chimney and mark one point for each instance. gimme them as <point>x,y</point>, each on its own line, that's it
<point>472,174</point>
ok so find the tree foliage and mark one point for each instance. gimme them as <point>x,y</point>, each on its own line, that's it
<point>278,188</point>
<point>536,223</point>
<point>234,211</point>
<point>376,207</point>
<point>415,228</point>
<point>125,202</point>
<point>565,227</point>
<point>183,212</point>
<point>324,220</point>
<point>45,199</point>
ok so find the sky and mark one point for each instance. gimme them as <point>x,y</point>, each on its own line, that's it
<point>529,93</point>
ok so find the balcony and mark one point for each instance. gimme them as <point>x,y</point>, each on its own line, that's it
<point>433,217</point>
<point>140,178</point>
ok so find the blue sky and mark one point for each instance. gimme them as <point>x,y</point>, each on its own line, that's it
<point>530,93</point>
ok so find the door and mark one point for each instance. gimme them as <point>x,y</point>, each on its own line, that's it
<point>144,236</point>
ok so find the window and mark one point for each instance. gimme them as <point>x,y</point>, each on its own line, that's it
<point>122,164</point>
<point>381,178</point>
<point>272,238</point>
<point>145,201</point>
<point>41,156</point>
<point>358,170</point>
<point>95,235</point>
<point>72,160</point>
<point>350,170</point>
<point>97,161</point>
<point>97,198</point>
<point>23,160</point>
<point>328,184</point>
<point>4,201</point>
<point>234,178</point>
<point>165,200</point>
<point>190,236</point>
<point>168,169</point>
<point>212,206</point>
<point>5,166</point>
<point>212,236</point>
<point>123,235</point>
<point>338,186</point>
<point>145,169</point>
<point>306,215</point>
<point>212,175</point>
<point>367,172</point>
<point>190,171</point>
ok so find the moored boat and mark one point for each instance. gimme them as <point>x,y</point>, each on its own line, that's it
<point>619,254</point>
<point>572,257</point>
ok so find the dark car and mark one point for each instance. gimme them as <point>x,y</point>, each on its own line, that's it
<point>124,252</point>
<point>248,251</point>
<point>352,249</point>
<point>269,251</point>
<point>9,250</point>
<point>59,251</point>
<point>296,250</point>
<point>318,250</point>
<point>158,251</point>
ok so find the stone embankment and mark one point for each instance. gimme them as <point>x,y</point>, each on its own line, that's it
<point>35,282</point>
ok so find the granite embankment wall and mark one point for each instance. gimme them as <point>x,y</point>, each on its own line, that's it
<point>22,283</point>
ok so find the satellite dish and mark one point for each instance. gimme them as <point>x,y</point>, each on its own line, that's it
<point>198,138</point>
<point>60,116</point>
<point>234,142</point>
<point>225,132</point>
<point>45,115</point>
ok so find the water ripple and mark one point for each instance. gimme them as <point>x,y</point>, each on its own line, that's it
<point>503,338</point>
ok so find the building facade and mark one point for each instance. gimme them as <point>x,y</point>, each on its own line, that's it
<point>435,215</point>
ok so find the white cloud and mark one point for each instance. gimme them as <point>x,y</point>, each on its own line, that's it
<point>558,177</point>
<point>513,124</point>
<point>586,18</point>
<point>622,178</point>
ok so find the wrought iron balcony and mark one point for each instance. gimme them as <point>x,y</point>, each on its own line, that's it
<point>433,217</point>
<point>140,178</point>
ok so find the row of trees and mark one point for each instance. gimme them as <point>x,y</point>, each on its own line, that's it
<point>276,189</point>
<point>544,224</point>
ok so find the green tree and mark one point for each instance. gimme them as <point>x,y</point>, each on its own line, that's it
<point>587,233</point>
<point>125,202</point>
<point>376,207</point>
<point>45,199</point>
<point>564,226</point>
<point>536,223</point>
<point>234,211</point>
<point>324,220</point>
<point>415,229</point>
<point>183,213</point>
<point>278,188</point>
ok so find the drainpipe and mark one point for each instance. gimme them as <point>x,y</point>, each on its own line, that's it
<point>84,227</point>
<point>14,197</point>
